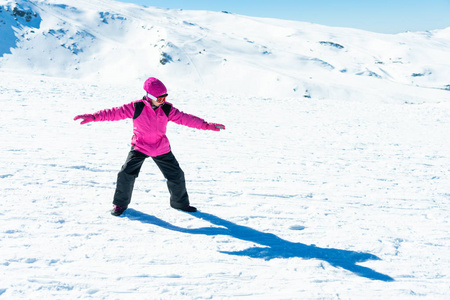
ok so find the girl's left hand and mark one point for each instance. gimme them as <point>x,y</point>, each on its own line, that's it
<point>213,126</point>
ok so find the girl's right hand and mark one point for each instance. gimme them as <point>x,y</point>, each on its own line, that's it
<point>86,118</point>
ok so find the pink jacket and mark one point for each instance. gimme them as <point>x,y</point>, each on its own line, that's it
<point>150,127</point>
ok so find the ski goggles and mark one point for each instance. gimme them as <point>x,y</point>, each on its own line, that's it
<point>159,99</point>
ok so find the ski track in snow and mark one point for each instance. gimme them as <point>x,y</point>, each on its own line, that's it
<point>298,198</point>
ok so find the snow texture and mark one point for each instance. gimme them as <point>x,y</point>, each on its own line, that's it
<point>330,182</point>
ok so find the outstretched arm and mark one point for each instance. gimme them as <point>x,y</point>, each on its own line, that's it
<point>182,118</point>
<point>113,114</point>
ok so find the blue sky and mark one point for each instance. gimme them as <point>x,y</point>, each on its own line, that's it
<point>382,16</point>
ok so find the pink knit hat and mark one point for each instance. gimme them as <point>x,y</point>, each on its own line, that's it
<point>155,87</point>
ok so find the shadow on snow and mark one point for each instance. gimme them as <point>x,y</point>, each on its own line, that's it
<point>275,247</point>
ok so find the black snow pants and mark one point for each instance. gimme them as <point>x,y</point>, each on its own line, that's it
<point>170,168</point>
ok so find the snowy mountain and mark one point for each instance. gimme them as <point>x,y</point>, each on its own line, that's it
<point>223,52</point>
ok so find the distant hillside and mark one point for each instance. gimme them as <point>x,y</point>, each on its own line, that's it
<point>230,53</point>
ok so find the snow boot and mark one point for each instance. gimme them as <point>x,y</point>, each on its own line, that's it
<point>118,210</point>
<point>188,209</point>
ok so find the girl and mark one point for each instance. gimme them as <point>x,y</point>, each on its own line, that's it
<point>150,117</point>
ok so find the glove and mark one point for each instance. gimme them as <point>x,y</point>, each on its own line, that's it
<point>86,118</point>
<point>213,126</point>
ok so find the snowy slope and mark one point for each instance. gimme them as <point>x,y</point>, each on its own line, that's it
<point>329,199</point>
<point>218,51</point>
<point>330,182</point>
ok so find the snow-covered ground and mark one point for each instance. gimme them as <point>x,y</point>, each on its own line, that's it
<point>332,180</point>
<point>298,199</point>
